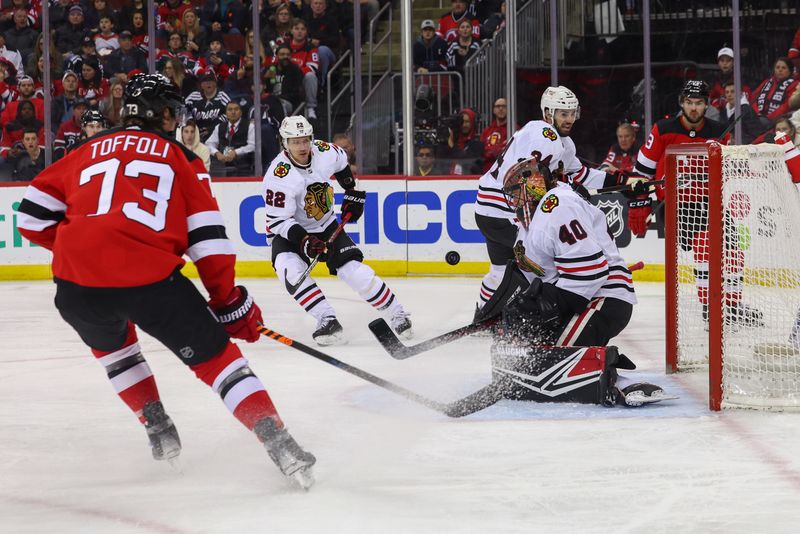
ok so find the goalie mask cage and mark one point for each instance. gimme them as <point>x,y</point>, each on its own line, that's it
<point>733,273</point>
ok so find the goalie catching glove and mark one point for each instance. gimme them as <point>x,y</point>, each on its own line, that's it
<point>353,203</point>
<point>533,314</point>
<point>239,314</point>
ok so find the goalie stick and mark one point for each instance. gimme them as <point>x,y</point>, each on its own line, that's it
<point>399,351</point>
<point>474,402</point>
<point>291,288</point>
<point>622,187</point>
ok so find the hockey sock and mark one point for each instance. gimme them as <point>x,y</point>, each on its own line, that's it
<point>369,286</point>
<point>129,374</point>
<point>700,252</point>
<point>490,282</point>
<point>732,276</point>
<point>240,389</point>
<point>309,296</point>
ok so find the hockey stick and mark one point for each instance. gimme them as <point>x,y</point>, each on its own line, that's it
<point>622,187</point>
<point>291,288</point>
<point>399,351</point>
<point>480,399</point>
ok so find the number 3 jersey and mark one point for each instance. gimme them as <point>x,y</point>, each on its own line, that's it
<point>296,194</point>
<point>568,238</point>
<point>123,208</point>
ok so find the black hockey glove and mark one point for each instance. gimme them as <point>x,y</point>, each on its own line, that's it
<point>353,203</point>
<point>313,246</point>
<point>531,315</point>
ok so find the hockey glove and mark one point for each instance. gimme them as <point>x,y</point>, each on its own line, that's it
<point>353,203</point>
<point>312,247</point>
<point>239,314</point>
<point>639,210</point>
<point>532,315</point>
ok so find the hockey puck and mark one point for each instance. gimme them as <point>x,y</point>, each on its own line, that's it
<point>452,257</point>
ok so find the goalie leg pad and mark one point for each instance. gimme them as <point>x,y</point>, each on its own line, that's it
<point>556,374</point>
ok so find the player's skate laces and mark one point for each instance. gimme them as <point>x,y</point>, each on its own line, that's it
<point>164,440</point>
<point>290,458</point>
<point>401,324</point>
<point>329,332</point>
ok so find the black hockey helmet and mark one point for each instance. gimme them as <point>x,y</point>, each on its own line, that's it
<point>694,89</point>
<point>91,116</point>
<point>148,95</point>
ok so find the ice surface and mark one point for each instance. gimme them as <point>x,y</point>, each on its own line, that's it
<point>73,459</point>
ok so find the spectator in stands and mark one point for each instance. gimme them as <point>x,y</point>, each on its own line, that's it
<point>464,148</point>
<point>111,105</point>
<point>13,56</point>
<point>622,154</point>
<point>106,41</point>
<point>169,16</point>
<point>718,80</point>
<point>430,50</point>
<point>69,37</point>
<point>448,24</point>
<point>125,18</point>
<point>281,25</point>
<point>794,51</point>
<point>305,56</point>
<point>494,22</point>
<point>65,99</point>
<point>87,50</point>
<point>218,59</point>
<point>189,137</point>
<point>176,73</point>
<point>224,17</point>
<point>771,98</point>
<point>323,33</point>
<point>751,126</point>
<point>26,92</point>
<point>783,125</point>
<point>70,130</point>
<point>140,38</point>
<point>94,11</point>
<point>7,91</point>
<point>56,60</point>
<point>21,37</point>
<point>425,161</point>
<point>11,147</point>
<point>495,135</point>
<point>483,9</point>
<point>343,141</point>
<point>462,48</point>
<point>59,13</point>
<point>176,49</point>
<point>125,58</point>
<point>30,161</point>
<point>194,35</point>
<point>91,85</point>
<point>284,80</point>
<point>207,105</point>
<point>38,76</point>
<point>232,144</point>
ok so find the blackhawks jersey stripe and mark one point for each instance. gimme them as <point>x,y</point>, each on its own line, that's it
<point>581,268</point>
<point>579,259</point>
<point>584,277</point>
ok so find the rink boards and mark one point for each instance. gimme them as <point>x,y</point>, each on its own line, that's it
<point>410,226</point>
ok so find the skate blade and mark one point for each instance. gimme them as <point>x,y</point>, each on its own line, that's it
<point>303,478</point>
<point>175,465</point>
<point>638,399</point>
<point>327,341</point>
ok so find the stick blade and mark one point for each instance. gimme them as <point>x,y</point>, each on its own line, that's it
<point>475,402</point>
<point>388,339</point>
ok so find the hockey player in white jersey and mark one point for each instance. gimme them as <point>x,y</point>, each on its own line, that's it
<point>546,138</point>
<point>581,290</point>
<point>298,195</point>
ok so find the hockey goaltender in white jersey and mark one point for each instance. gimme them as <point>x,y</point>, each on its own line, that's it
<point>302,227</point>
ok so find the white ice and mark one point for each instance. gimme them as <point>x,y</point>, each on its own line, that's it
<point>73,459</point>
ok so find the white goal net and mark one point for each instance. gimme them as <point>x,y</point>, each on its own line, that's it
<point>733,273</point>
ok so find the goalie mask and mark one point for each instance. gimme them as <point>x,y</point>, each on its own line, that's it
<point>524,186</point>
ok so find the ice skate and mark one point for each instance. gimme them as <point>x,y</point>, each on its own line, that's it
<point>401,324</point>
<point>164,440</point>
<point>329,332</point>
<point>291,459</point>
<point>743,315</point>
<point>642,393</point>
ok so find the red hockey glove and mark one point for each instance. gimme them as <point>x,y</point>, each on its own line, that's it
<point>353,203</point>
<point>239,314</point>
<point>313,246</point>
<point>638,211</point>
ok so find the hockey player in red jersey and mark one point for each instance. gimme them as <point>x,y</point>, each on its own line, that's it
<point>580,294</point>
<point>118,213</point>
<point>692,127</point>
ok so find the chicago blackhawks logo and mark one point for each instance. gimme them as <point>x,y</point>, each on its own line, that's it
<point>549,133</point>
<point>318,200</point>
<point>549,204</point>
<point>322,146</point>
<point>282,170</point>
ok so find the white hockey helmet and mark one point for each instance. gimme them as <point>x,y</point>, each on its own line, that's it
<point>559,97</point>
<point>294,127</point>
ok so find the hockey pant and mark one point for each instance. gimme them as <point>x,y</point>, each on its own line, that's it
<point>500,234</point>
<point>175,313</point>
